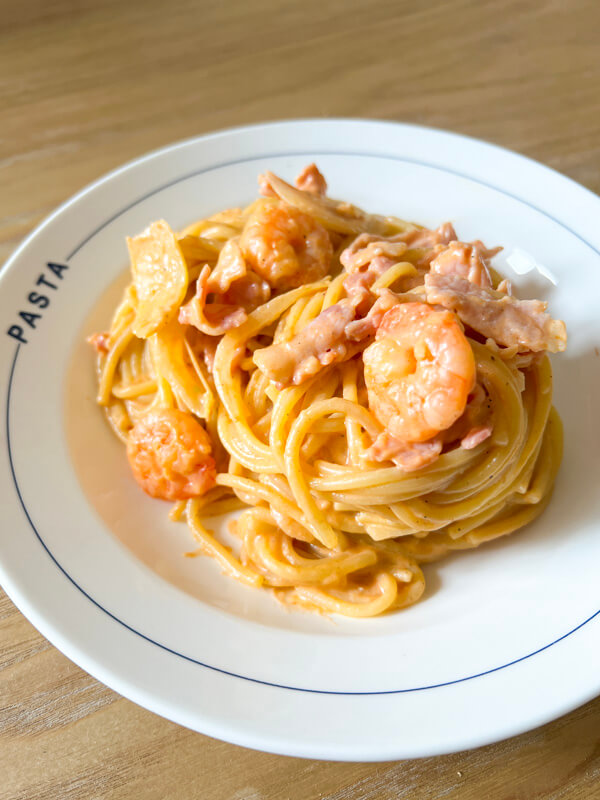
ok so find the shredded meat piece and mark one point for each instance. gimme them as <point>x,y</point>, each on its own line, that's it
<point>409,456</point>
<point>475,424</point>
<point>213,319</point>
<point>465,261</point>
<point>360,329</point>
<point>100,342</point>
<point>229,268</point>
<point>365,260</point>
<point>367,247</point>
<point>358,285</point>
<point>322,342</point>
<point>476,436</point>
<point>249,292</point>
<point>311,180</point>
<point>425,238</point>
<point>235,282</point>
<point>369,256</point>
<point>236,289</point>
<point>500,317</point>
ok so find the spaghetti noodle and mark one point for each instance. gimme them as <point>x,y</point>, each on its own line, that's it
<point>368,392</point>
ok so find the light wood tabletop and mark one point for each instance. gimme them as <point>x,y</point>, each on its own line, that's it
<point>88,84</point>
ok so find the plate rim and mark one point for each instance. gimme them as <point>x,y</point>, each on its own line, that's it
<point>179,143</point>
<point>69,647</point>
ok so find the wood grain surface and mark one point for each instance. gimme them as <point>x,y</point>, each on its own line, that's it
<point>88,84</point>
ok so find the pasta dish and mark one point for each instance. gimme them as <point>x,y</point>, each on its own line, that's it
<point>368,394</point>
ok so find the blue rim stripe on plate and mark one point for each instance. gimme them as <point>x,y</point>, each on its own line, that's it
<point>316,153</point>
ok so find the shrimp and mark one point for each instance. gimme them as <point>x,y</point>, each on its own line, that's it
<point>285,246</point>
<point>419,372</point>
<point>170,455</point>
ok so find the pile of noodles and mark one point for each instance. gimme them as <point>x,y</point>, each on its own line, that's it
<point>319,522</point>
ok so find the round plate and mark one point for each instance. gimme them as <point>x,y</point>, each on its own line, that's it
<point>506,638</point>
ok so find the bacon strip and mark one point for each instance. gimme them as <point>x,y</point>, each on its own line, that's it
<point>230,267</point>
<point>335,335</point>
<point>100,341</point>
<point>498,316</point>
<point>409,456</point>
<point>311,180</point>
<point>213,319</point>
<point>322,342</point>
<point>465,261</point>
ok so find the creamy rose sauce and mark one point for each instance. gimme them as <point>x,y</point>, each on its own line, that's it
<point>85,421</point>
<point>140,523</point>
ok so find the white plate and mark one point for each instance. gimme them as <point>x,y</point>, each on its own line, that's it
<point>506,637</point>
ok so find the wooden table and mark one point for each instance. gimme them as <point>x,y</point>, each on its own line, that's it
<point>88,84</point>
